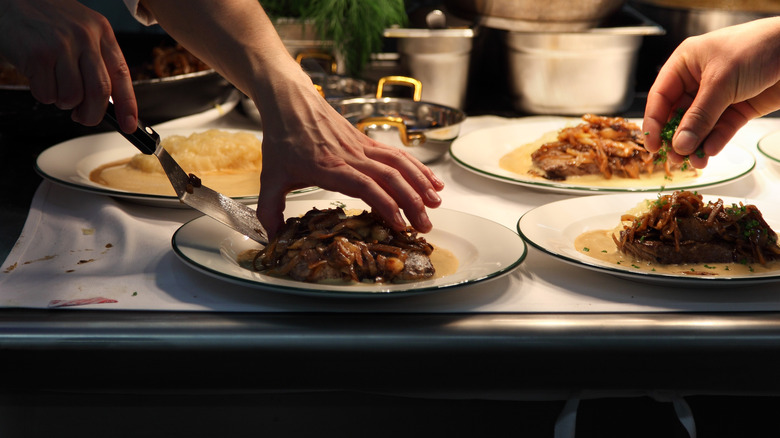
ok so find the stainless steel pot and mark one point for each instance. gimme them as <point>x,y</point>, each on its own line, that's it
<point>536,15</point>
<point>572,73</point>
<point>424,129</point>
<point>685,18</point>
<point>439,58</point>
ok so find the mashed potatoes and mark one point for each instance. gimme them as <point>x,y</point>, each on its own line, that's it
<point>213,151</point>
<point>228,162</point>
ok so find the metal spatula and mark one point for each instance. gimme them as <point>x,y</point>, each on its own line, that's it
<point>188,188</point>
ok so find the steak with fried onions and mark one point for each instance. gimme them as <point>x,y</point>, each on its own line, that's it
<point>681,228</point>
<point>601,145</point>
<point>326,245</point>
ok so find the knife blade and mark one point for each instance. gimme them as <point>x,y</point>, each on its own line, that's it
<point>188,188</point>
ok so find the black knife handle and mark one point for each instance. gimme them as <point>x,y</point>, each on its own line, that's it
<point>144,138</point>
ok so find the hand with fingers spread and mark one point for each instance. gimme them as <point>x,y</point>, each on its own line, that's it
<point>319,147</point>
<point>722,80</point>
<point>70,56</point>
<point>305,141</point>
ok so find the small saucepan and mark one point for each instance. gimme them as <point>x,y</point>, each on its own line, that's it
<point>424,129</point>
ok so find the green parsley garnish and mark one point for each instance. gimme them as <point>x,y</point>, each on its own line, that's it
<point>667,132</point>
<point>671,126</point>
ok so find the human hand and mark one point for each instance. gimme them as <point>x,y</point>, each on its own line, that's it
<point>723,79</point>
<point>71,58</point>
<point>306,142</point>
<point>318,147</point>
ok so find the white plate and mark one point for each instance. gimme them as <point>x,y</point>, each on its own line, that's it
<point>553,227</point>
<point>484,249</point>
<point>769,146</point>
<point>69,163</point>
<point>481,150</point>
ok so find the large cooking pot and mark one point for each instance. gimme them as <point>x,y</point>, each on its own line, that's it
<point>686,18</point>
<point>424,129</point>
<point>536,15</point>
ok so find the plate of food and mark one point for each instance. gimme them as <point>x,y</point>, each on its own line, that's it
<point>227,161</point>
<point>681,238</point>
<point>590,155</point>
<point>336,249</point>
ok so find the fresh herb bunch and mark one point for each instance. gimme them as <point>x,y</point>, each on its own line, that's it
<point>667,132</point>
<point>356,27</point>
<point>671,126</point>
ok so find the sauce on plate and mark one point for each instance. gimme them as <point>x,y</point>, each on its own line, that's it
<point>599,245</point>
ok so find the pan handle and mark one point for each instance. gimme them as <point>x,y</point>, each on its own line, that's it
<point>399,80</point>
<point>407,138</point>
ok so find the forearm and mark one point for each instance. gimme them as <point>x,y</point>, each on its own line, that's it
<point>235,37</point>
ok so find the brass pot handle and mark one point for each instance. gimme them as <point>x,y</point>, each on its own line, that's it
<point>318,55</point>
<point>407,138</point>
<point>319,90</point>
<point>400,80</point>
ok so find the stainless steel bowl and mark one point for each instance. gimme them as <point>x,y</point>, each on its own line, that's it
<point>424,129</point>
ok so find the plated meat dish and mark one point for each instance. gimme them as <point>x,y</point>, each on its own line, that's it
<point>682,228</point>
<point>329,245</point>
<point>610,146</point>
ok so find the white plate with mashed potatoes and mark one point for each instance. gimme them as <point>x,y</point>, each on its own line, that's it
<point>476,249</point>
<point>227,161</point>
<point>584,239</point>
<point>503,153</point>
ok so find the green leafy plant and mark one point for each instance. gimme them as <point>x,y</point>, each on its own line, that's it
<point>356,27</point>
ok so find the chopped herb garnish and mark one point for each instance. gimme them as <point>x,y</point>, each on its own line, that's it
<point>667,132</point>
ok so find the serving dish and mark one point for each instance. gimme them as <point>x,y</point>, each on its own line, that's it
<point>69,163</point>
<point>485,250</point>
<point>552,228</point>
<point>479,152</point>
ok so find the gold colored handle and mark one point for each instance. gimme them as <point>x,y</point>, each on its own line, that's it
<point>319,90</point>
<point>408,139</point>
<point>318,55</point>
<point>400,80</point>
